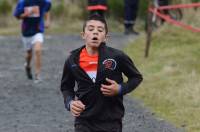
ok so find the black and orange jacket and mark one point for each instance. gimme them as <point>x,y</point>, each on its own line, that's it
<point>97,5</point>
<point>111,64</point>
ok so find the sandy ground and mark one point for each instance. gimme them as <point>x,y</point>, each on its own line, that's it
<point>29,107</point>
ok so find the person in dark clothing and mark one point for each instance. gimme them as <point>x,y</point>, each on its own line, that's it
<point>164,3</point>
<point>130,15</point>
<point>97,103</point>
<point>97,6</point>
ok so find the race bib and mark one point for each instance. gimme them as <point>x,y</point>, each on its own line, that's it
<point>33,11</point>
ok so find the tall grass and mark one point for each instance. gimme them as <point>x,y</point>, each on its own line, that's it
<point>64,12</point>
<point>5,7</point>
<point>116,8</point>
<point>171,84</point>
<point>66,9</point>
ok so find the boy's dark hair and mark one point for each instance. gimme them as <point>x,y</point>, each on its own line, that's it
<point>97,17</point>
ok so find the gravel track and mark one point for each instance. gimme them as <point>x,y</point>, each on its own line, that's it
<point>29,107</point>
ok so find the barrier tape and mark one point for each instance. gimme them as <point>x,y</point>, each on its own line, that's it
<point>168,19</point>
<point>179,6</point>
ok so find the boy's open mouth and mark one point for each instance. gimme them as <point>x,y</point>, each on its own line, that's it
<point>94,38</point>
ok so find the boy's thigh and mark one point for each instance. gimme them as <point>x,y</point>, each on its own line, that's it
<point>81,128</point>
<point>36,39</point>
<point>115,127</point>
<point>27,43</point>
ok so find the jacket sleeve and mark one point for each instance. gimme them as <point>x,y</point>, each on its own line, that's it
<point>67,84</point>
<point>131,72</point>
<point>19,9</point>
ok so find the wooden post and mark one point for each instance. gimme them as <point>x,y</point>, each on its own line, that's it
<point>148,32</point>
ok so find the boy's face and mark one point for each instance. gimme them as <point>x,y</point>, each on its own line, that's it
<point>94,33</point>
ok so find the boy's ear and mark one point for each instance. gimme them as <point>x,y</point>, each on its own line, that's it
<point>106,38</point>
<point>83,35</point>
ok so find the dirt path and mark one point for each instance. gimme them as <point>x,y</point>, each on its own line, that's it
<point>29,107</point>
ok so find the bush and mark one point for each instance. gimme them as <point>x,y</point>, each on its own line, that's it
<point>69,10</point>
<point>195,0</point>
<point>5,7</point>
<point>143,6</point>
<point>116,8</point>
<point>58,9</point>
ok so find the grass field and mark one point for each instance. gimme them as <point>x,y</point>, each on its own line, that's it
<point>11,26</point>
<point>171,84</point>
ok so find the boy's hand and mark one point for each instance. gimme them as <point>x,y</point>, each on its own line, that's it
<point>47,24</point>
<point>32,11</point>
<point>110,90</point>
<point>25,14</point>
<point>47,19</point>
<point>76,107</point>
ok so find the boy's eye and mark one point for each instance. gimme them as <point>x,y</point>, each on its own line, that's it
<point>90,28</point>
<point>100,30</point>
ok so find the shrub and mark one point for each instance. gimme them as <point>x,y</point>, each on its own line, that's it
<point>195,0</point>
<point>143,6</point>
<point>5,7</point>
<point>116,8</point>
<point>71,10</point>
<point>59,9</point>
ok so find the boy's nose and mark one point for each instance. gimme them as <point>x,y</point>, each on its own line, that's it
<point>95,32</point>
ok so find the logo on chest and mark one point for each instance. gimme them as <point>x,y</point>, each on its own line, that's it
<point>110,64</point>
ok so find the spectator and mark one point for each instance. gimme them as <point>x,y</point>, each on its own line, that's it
<point>131,9</point>
<point>97,6</point>
<point>164,3</point>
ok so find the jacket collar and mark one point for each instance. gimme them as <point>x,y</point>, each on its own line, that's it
<point>76,52</point>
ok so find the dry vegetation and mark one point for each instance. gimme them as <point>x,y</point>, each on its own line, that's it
<point>171,84</point>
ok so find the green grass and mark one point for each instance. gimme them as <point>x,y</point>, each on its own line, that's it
<point>11,26</point>
<point>171,85</point>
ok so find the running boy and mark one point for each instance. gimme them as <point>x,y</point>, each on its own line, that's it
<point>97,104</point>
<point>32,13</point>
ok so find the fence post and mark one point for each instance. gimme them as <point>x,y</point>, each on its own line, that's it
<point>149,31</point>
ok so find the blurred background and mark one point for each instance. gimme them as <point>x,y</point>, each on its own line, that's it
<point>171,84</point>
<point>74,11</point>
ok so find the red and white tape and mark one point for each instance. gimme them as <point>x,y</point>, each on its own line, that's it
<point>172,21</point>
